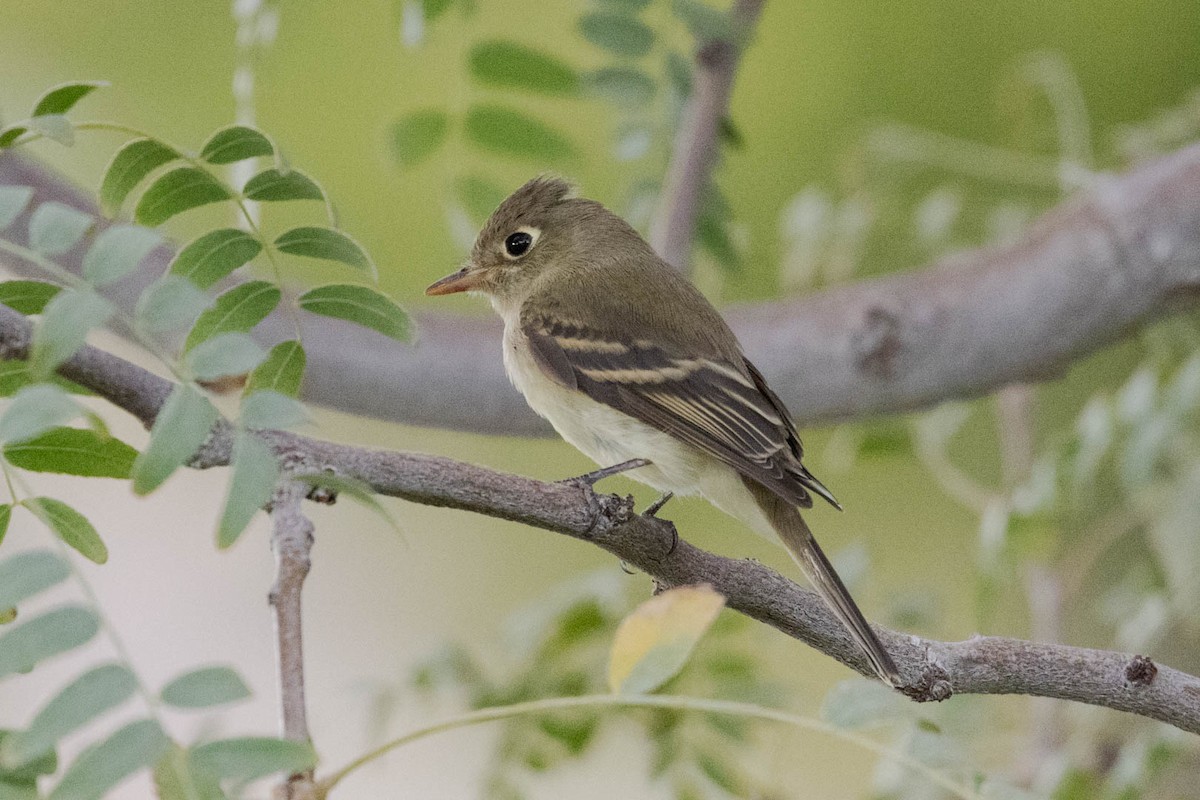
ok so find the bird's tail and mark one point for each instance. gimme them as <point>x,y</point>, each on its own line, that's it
<point>793,531</point>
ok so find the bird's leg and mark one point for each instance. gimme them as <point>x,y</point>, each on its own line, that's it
<point>592,478</point>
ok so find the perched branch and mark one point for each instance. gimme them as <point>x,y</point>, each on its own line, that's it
<point>697,142</point>
<point>1115,258</point>
<point>932,670</point>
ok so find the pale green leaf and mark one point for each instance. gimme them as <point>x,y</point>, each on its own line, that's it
<point>224,355</point>
<point>703,21</point>
<point>654,642</point>
<point>282,371</point>
<point>63,328</point>
<point>45,636</point>
<point>620,34</point>
<point>354,489</point>
<point>251,484</point>
<point>417,135</point>
<point>236,311</point>
<point>62,98</point>
<point>215,255</point>
<point>117,251</point>
<point>13,201</point>
<point>102,766</point>
<point>169,304</point>
<point>180,429</point>
<point>625,86</point>
<point>513,65</point>
<point>324,243</point>
<point>27,297</point>
<point>35,410</point>
<point>265,408</point>
<point>252,757</point>
<point>134,161</point>
<point>86,698</point>
<point>236,143</point>
<point>73,451</point>
<point>208,686</point>
<point>55,127</point>
<point>176,778</point>
<point>55,228</point>
<point>360,305</point>
<point>275,185</point>
<point>180,190</point>
<point>29,573</point>
<point>857,702</point>
<point>514,133</point>
<point>71,526</point>
<point>5,518</point>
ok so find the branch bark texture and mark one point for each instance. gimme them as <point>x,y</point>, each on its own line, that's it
<point>932,670</point>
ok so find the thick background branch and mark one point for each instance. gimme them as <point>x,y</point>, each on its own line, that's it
<point>1114,258</point>
<point>932,670</point>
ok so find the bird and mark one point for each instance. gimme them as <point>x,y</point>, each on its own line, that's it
<point>627,360</point>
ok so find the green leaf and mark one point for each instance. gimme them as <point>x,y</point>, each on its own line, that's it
<point>86,698</point>
<point>26,773</point>
<point>73,451</point>
<point>168,304</point>
<point>10,133</point>
<point>416,136</point>
<point>12,788</point>
<point>282,371</point>
<point>360,305</point>
<point>625,86</point>
<point>13,201</point>
<point>251,484</point>
<point>223,355</point>
<point>511,132</point>
<point>236,143</point>
<point>55,127</point>
<point>679,74</point>
<point>512,65</point>
<point>15,376</point>
<point>181,189</point>
<point>273,185</point>
<point>237,310</point>
<point>252,757</point>
<point>63,329</point>
<point>71,526</point>
<point>102,766</point>
<point>654,642</point>
<point>5,518</point>
<point>35,410</point>
<point>29,573</point>
<point>618,33</point>
<point>182,426</point>
<point>325,243</point>
<point>269,409</point>
<point>62,98</point>
<point>176,778</point>
<point>215,255</point>
<point>117,251</point>
<point>703,21</point>
<point>856,702</point>
<point>356,489</point>
<point>134,161</point>
<point>27,297</point>
<point>45,636</point>
<point>201,688</point>
<point>55,228</point>
<point>478,196</point>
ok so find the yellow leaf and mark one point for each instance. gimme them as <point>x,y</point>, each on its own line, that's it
<point>654,642</point>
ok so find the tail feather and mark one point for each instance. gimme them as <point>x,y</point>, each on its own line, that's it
<point>793,531</point>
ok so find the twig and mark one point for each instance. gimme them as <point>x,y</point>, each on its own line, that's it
<point>932,670</point>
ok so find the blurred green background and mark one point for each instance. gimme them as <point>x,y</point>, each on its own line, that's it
<point>828,94</point>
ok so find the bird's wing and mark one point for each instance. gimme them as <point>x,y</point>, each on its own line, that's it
<point>705,401</point>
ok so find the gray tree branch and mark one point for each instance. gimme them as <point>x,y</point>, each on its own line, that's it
<point>1116,257</point>
<point>932,670</point>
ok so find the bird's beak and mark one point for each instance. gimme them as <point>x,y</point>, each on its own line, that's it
<point>462,281</point>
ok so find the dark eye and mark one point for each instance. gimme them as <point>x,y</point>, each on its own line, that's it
<point>517,243</point>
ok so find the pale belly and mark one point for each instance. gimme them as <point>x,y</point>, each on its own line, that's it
<point>609,437</point>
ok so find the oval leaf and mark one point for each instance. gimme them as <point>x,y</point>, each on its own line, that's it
<point>176,778</point>
<point>509,64</point>
<point>238,310</point>
<point>170,303</point>
<point>35,410</point>
<point>10,133</point>
<point>45,636</point>
<point>73,451</point>
<point>133,162</point>
<point>360,305</point>
<point>71,526</point>
<point>63,328</point>
<point>224,355</point>
<point>282,371</point>
<point>27,297</point>
<point>55,127</point>
<point>62,98</point>
<point>181,427</point>
<point>27,574</point>
<point>416,136</point>
<point>268,409</point>
<point>89,696</point>
<point>618,33</point>
<point>116,252</point>
<point>201,688</point>
<point>274,185</point>
<point>654,642</point>
<point>511,132</point>
<point>215,255</point>
<point>624,86</point>
<point>179,190</point>
<point>104,765</point>
<point>236,143</point>
<point>253,757</point>
<point>5,517</point>
<point>55,228</point>
<point>251,484</point>
<point>13,200</point>
<point>325,243</point>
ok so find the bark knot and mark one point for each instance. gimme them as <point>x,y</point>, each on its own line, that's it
<point>1140,671</point>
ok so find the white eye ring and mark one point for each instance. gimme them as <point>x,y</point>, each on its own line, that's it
<point>520,242</point>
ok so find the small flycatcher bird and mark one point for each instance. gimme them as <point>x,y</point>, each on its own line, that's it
<point>627,360</point>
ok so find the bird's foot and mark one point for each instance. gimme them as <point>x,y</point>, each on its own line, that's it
<point>656,506</point>
<point>592,478</point>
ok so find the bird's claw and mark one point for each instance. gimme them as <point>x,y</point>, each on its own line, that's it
<point>592,478</point>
